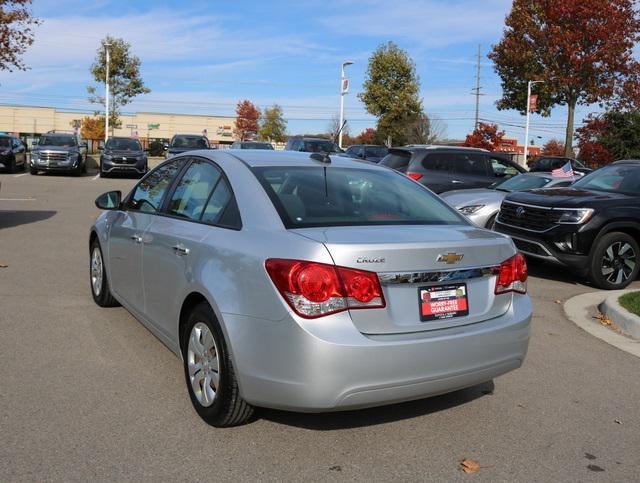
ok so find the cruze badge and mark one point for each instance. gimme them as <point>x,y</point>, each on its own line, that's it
<point>370,260</point>
<point>450,258</point>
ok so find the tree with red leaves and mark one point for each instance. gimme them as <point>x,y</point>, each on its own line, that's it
<point>247,117</point>
<point>366,137</point>
<point>485,136</point>
<point>553,147</point>
<point>609,136</point>
<point>582,50</point>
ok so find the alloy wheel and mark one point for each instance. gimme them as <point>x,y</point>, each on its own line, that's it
<point>96,271</point>
<point>618,263</point>
<point>203,364</point>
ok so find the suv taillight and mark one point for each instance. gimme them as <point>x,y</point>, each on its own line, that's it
<point>512,275</point>
<point>317,289</point>
<point>414,176</point>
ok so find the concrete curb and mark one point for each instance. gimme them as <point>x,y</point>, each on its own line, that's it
<point>625,320</point>
<point>581,309</point>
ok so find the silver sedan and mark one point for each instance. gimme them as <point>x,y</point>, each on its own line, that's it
<point>308,283</point>
<point>481,206</point>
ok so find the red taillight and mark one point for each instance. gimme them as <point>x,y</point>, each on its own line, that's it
<point>512,275</point>
<point>414,176</point>
<point>317,289</point>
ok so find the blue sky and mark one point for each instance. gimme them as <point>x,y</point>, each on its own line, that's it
<point>203,56</point>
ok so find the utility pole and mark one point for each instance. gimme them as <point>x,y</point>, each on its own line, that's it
<point>477,89</point>
<point>106,96</point>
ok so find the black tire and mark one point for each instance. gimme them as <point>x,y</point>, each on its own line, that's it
<point>33,171</point>
<point>84,166</point>
<point>610,253</point>
<point>12,166</point>
<point>103,297</point>
<point>228,408</point>
<point>491,224</point>
<point>103,174</point>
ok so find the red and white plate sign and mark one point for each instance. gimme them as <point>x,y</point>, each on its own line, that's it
<point>443,302</point>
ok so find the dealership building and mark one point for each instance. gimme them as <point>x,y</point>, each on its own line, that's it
<point>30,122</point>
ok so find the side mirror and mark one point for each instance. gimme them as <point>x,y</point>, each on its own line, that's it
<point>360,155</point>
<point>109,201</point>
<point>100,148</point>
<point>165,146</point>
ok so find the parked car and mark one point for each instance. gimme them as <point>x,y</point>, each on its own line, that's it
<point>181,143</point>
<point>57,151</point>
<point>368,152</point>
<point>312,145</point>
<point>549,163</point>
<point>13,153</point>
<point>482,205</point>
<point>251,145</point>
<point>123,155</point>
<point>592,227</point>
<point>446,168</point>
<point>291,282</point>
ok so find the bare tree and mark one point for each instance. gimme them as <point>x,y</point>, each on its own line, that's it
<point>426,129</point>
<point>334,127</point>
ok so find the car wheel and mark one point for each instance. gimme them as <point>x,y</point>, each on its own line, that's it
<point>100,288</point>
<point>12,167</point>
<point>615,261</point>
<point>33,171</point>
<point>210,377</point>
<point>103,174</point>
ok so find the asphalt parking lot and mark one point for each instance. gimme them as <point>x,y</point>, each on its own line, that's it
<point>89,393</point>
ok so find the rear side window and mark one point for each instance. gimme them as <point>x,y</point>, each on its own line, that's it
<point>438,161</point>
<point>469,164</point>
<point>318,196</point>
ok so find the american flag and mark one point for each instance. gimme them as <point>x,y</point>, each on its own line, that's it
<point>565,171</point>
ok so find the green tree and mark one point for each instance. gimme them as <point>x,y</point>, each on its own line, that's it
<point>609,136</point>
<point>391,92</point>
<point>125,82</point>
<point>16,33</point>
<point>582,50</point>
<point>273,126</point>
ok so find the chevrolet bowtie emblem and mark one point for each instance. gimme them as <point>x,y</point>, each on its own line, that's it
<point>450,258</point>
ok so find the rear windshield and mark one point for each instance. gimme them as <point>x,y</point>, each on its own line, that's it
<point>396,160</point>
<point>124,145</point>
<point>62,141</point>
<point>189,142</point>
<point>318,196</point>
<point>612,179</point>
<point>376,151</point>
<point>320,147</point>
<point>256,146</point>
<point>5,142</point>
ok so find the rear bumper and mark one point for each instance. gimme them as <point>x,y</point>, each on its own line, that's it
<point>326,364</point>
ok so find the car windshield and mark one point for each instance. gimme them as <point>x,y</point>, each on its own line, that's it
<point>320,147</point>
<point>332,196</point>
<point>62,141</point>
<point>5,142</point>
<point>124,145</point>
<point>620,178</point>
<point>523,182</point>
<point>189,142</point>
<point>256,146</point>
<point>376,151</point>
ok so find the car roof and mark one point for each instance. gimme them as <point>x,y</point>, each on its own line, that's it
<point>628,161</point>
<point>123,137</point>
<point>189,136</point>
<point>264,158</point>
<point>443,147</point>
<point>306,138</point>
<point>54,134</point>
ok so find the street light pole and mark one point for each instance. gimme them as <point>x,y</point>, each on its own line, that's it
<point>106,96</point>
<point>526,128</point>
<point>343,91</point>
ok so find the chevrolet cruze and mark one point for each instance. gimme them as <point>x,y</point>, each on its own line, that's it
<point>308,282</point>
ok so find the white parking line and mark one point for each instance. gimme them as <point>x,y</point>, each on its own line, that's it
<point>95,177</point>
<point>18,175</point>
<point>17,199</point>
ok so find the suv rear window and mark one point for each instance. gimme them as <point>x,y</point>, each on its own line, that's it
<point>189,142</point>
<point>397,160</point>
<point>331,196</point>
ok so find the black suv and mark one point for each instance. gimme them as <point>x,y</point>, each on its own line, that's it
<point>368,152</point>
<point>123,155</point>
<point>181,143</point>
<point>445,168</point>
<point>252,145</point>
<point>13,153</point>
<point>549,163</point>
<point>592,227</point>
<point>56,151</point>
<point>312,145</point>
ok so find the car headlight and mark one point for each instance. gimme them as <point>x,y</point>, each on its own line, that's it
<point>4,153</point>
<point>107,157</point>
<point>470,209</point>
<point>576,216</point>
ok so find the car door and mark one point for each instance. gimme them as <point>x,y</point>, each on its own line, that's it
<point>468,171</point>
<point>173,242</point>
<point>126,234</point>
<point>19,152</point>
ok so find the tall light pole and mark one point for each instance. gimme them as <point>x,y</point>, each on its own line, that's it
<point>344,88</point>
<point>106,96</point>
<point>526,128</point>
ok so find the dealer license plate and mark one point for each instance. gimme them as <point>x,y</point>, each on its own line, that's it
<point>443,302</point>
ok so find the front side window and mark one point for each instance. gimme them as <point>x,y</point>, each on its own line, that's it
<point>613,179</point>
<point>193,190</point>
<point>501,169</point>
<point>148,195</point>
<point>318,196</point>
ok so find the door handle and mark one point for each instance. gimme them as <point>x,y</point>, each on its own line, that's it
<point>136,238</point>
<point>180,249</point>
<point>455,181</point>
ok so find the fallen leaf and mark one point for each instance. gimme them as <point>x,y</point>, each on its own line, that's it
<point>617,421</point>
<point>470,466</point>
<point>3,265</point>
<point>604,320</point>
<point>558,301</point>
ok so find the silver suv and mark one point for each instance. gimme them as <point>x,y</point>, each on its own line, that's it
<point>308,282</point>
<point>59,152</point>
